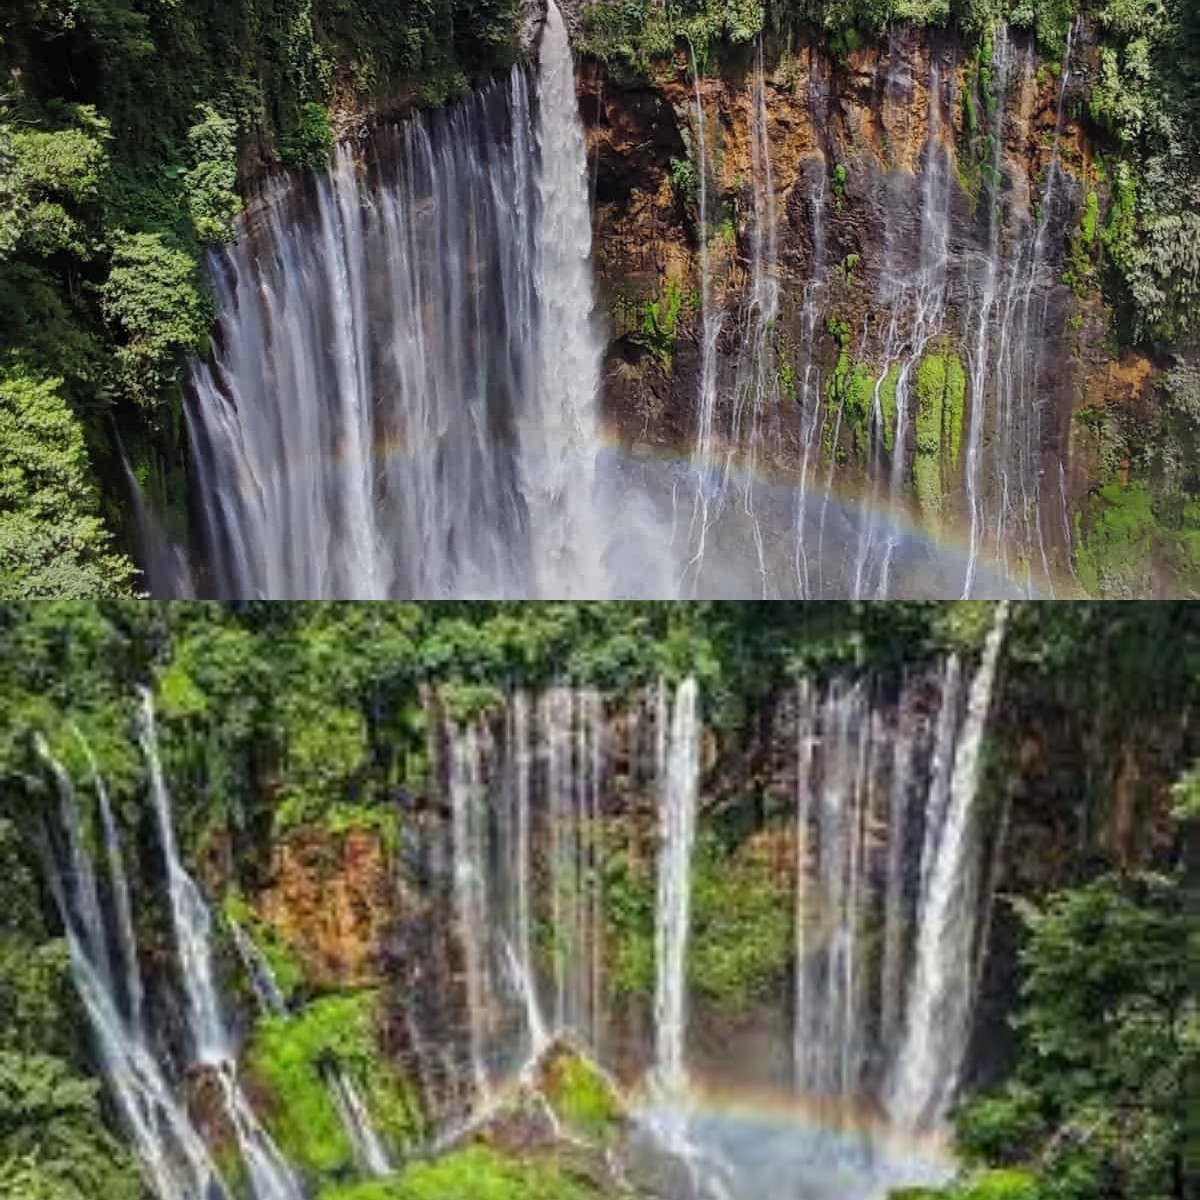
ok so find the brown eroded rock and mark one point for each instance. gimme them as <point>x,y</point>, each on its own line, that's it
<point>331,899</point>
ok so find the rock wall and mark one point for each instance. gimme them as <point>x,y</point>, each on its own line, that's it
<point>862,151</point>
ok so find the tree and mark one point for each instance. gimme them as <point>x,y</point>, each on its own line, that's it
<point>1111,1035</point>
<point>52,541</point>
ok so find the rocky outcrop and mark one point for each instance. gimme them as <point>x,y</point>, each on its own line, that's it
<point>331,898</point>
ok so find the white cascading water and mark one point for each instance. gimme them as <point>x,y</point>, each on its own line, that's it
<point>173,1157</point>
<point>711,319</point>
<point>212,1048</point>
<point>1004,477</point>
<point>680,779</point>
<point>525,807</point>
<point>468,800</point>
<point>558,435</point>
<point>424,427</point>
<point>930,1057</point>
<point>888,839</point>
<point>521,945</point>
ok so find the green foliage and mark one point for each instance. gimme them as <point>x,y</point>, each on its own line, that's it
<point>154,302</point>
<point>741,921</point>
<point>289,1057</point>
<point>52,542</point>
<point>660,324</point>
<point>308,144</point>
<point>1144,96</point>
<point>53,1145</point>
<point>840,176</point>
<point>211,183</point>
<point>1050,20</point>
<point>50,180</point>
<point>629,898</point>
<point>1111,1034</point>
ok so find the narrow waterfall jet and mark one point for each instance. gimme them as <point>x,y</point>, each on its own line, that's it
<point>679,781</point>
<point>212,1047</point>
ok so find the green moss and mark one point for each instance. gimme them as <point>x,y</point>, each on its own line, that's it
<point>954,407</point>
<point>1116,544</point>
<point>629,898</point>
<point>581,1097</point>
<point>941,401</point>
<point>309,141</point>
<point>474,1173</point>
<point>927,466</point>
<point>887,403</point>
<point>287,1056</point>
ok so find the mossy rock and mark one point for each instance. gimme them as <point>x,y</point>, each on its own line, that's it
<point>289,1059</point>
<point>581,1096</point>
<point>480,1173</point>
<point>941,403</point>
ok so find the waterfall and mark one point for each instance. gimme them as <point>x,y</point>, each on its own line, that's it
<point>981,342</point>
<point>525,804</point>
<point>930,1057</point>
<point>1004,504</point>
<point>917,305</point>
<point>173,1158</point>
<point>125,956</point>
<point>269,1175</point>
<point>522,910</point>
<point>401,399</point>
<point>711,320</point>
<point>559,435</point>
<point>267,991</point>
<point>679,781</point>
<point>887,874</point>
<point>467,799</point>
<point>756,383</point>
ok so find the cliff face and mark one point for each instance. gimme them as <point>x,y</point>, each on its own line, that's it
<point>901,279</point>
